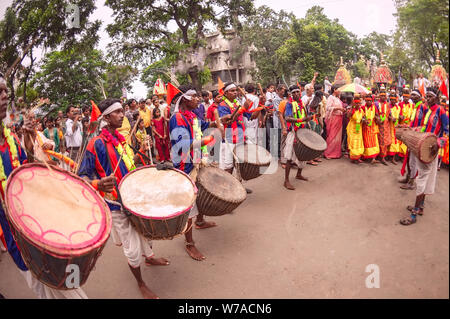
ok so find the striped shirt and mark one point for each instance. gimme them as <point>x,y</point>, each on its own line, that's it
<point>436,121</point>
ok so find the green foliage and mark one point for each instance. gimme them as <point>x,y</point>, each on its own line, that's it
<point>266,30</point>
<point>140,32</point>
<point>424,27</point>
<point>204,75</point>
<point>359,69</point>
<point>71,77</point>
<point>118,77</point>
<point>316,44</point>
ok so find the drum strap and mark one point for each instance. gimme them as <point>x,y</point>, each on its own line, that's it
<point>119,197</point>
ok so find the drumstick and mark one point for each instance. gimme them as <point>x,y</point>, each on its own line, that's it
<point>129,136</point>
<point>150,152</point>
<point>260,88</point>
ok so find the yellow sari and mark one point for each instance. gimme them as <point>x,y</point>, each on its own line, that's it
<point>354,135</point>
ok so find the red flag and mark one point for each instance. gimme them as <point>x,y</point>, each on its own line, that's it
<point>95,113</point>
<point>298,84</point>
<point>171,92</point>
<point>220,85</point>
<point>443,88</point>
<point>422,89</point>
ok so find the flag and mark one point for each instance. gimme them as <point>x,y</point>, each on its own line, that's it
<point>443,88</point>
<point>171,92</point>
<point>95,113</point>
<point>422,88</point>
<point>220,85</point>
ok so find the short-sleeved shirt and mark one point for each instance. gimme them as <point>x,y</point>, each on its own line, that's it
<point>437,122</point>
<point>210,112</point>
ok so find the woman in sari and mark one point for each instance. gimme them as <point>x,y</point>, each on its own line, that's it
<point>333,120</point>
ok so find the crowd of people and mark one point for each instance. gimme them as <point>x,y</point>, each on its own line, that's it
<point>128,134</point>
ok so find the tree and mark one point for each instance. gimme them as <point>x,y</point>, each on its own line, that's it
<point>30,24</point>
<point>424,24</point>
<point>316,44</point>
<point>71,77</point>
<point>266,31</point>
<point>141,35</point>
<point>118,77</point>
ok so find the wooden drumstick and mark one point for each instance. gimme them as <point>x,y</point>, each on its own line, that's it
<point>129,136</point>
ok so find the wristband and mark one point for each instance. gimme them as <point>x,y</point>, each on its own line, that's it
<point>94,183</point>
<point>207,140</point>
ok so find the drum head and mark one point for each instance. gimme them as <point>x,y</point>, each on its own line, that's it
<point>311,139</point>
<point>425,149</point>
<point>254,154</point>
<point>56,210</point>
<point>222,184</point>
<point>157,194</point>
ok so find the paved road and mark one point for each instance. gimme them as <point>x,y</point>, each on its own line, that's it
<point>314,242</point>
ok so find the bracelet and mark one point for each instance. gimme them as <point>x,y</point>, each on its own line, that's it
<point>94,183</point>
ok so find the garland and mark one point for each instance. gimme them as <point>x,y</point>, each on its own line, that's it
<point>15,159</point>
<point>127,156</point>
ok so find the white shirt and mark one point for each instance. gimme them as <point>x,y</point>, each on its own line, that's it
<point>73,139</point>
<point>305,102</point>
<point>327,85</point>
<point>270,96</point>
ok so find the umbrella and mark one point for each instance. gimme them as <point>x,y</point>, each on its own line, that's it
<point>354,88</point>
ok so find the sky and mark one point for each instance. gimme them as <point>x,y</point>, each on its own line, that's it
<point>360,17</point>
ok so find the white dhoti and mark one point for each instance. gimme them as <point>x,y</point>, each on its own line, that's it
<point>426,180</point>
<point>45,292</point>
<point>289,153</point>
<point>226,155</point>
<point>135,246</point>
<point>412,164</point>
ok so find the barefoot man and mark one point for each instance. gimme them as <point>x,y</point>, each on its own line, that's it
<point>295,115</point>
<point>186,138</point>
<point>102,154</point>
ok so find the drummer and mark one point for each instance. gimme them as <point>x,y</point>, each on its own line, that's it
<point>186,138</point>
<point>12,155</point>
<point>295,115</point>
<point>232,115</point>
<point>436,122</point>
<point>99,161</point>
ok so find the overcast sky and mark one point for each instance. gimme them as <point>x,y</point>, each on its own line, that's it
<point>359,17</point>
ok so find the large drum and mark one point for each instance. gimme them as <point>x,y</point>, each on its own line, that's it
<point>59,222</point>
<point>252,160</point>
<point>159,200</point>
<point>219,192</point>
<point>423,145</point>
<point>308,145</point>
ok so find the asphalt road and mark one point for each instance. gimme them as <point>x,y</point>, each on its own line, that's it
<point>314,242</point>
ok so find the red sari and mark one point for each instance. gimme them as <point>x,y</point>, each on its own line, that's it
<point>333,122</point>
<point>384,136</point>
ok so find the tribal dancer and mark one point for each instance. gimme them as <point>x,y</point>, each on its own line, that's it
<point>295,115</point>
<point>370,130</point>
<point>354,130</point>
<point>102,154</point>
<point>188,147</point>
<point>436,122</point>
<point>394,148</point>
<point>384,136</point>
<point>12,155</point>
<point>417,117</point>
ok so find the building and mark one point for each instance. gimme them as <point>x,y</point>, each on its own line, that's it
<point>224,56</point>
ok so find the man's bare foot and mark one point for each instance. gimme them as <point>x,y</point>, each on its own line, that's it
<point>193,252</point>
<point>383,161</point>
<point>393,161</point>
<point>289,186</point>
<point>301,177</point>
<point>204,224</point>
<point>146,292</point>
<point>360,161</point>
<point>374,161</point>
<point>156,261</point>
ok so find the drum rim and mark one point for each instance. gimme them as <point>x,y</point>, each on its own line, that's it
<point>256,164</point>
<point>213,194</point>
<point>176,214</point>
<point>59,251</point>
<point>420,148</point>
<point>307,129</point>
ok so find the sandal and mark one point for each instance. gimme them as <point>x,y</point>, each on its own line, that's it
<point>418,211</point>
<point>408,221</point>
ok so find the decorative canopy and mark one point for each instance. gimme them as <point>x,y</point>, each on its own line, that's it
<point>159,88</point>
<point>342,76</point>
<point>437,73</point>
<point>383,73</point>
